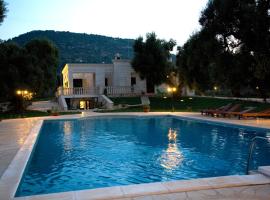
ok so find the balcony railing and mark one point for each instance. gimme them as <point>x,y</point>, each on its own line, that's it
<point>122,91</point>
<point>110,91</point>
<point>77,91</point>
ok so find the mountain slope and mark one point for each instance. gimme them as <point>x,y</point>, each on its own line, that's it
<point>81,47</point>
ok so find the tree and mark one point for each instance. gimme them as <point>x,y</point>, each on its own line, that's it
<point>31,67</point>
<point>243,29</point>
<point>3,11</point>
<point>151,58</point>
<point>44,61</point>
<point>240,30</point>
<point>196,61</point>
<point>12,59</point>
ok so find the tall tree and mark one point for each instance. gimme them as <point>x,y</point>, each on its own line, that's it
<point>3,10</point>
<point>12,59</point>
<point>152,58</point>
<point>195,61</point>
<point>44,61</point>
<point>241,28</point>
<point>31,67</point>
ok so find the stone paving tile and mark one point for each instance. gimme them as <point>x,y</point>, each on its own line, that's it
<point>172,196</point>
<point>186,185</point>
<point>13,134</point>
<point>100,193</point>
<point>143,198</point>
<point>202,194</point>
<point>56,196</point>
<point>257,192</point>
<point>144,189</point>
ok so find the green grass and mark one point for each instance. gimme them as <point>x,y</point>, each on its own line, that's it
<point>30,113</point>
<point>126,100</point>
<point>196,104</point>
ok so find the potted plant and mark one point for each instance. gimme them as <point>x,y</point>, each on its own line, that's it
<point>146,108</point>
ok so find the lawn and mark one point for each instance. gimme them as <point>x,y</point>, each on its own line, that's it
<point>186,104</point>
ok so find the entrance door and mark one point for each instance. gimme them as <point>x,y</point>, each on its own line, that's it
<point>150,88</point>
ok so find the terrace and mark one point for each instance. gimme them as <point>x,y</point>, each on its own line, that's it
<point>94,91</point>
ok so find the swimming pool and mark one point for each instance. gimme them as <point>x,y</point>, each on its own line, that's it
<point>109,151</point>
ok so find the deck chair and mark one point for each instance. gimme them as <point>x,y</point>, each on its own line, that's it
<point>263,113</point>
<point>230,109</point>
<point>209,111</point>
<point>234,113</point>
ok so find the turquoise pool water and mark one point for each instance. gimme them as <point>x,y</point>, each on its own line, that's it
<point>109,151</point>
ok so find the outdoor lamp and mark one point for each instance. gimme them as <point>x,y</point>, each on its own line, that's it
<point>18,92</point>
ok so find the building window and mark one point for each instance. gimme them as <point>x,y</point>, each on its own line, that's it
<point>77,83</point>
<point>106,82</point>
<point>133,81</point>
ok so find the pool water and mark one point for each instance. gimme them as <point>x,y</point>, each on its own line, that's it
<point>108,151</point>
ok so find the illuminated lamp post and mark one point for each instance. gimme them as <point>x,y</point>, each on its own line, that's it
<point>24,95</point>
<point>172,90</point>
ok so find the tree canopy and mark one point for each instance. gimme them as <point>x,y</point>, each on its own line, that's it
<point>30,67</point>
<point>235,49</point>
<point>3,10</point>
<point>152,58</point>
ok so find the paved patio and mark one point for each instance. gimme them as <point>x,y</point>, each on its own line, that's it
<point>13,134</point>
<point>259,192</point>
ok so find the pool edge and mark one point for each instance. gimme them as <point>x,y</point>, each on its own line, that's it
<point>10,179</point>
<point>157,188</point>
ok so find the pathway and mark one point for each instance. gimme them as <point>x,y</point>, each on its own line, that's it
<point>258,192</point>
<point>13,133</point>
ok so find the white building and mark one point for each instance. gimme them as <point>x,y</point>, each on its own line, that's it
<point>85,85</point>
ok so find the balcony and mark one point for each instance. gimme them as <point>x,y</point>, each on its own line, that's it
<point>115,91</point>
<point>79,91</point>
<point>109,91</point>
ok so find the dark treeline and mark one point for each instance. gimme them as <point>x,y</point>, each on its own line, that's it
<point>232,49</point>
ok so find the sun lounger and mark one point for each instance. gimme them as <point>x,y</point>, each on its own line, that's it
<point>264,113</point>
<point>222,108</point>
<point>233,113</point>
<point>230,109</point>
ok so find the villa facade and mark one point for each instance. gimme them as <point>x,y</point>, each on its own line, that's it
<point>86,86</point>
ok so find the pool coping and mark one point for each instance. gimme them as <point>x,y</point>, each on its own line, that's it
<point>12,176</point>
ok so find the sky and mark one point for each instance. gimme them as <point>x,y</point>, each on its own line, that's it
<point>176,19</point>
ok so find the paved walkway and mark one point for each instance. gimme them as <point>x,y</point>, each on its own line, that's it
<point>258,192</point>
<point>12,136</point>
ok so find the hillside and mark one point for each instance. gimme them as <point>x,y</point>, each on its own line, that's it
<point>81,47</point>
